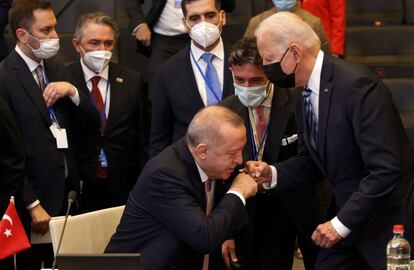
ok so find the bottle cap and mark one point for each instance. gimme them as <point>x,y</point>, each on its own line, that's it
<point>398,228</point>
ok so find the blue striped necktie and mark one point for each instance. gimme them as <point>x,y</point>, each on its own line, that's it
<point>213,88</point>
<point>310,118</point>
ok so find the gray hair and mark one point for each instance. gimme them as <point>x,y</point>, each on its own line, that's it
<point>98,18</point>
<point>284,28</point>
<point>205,126</point>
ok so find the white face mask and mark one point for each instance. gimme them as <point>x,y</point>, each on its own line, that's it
<point>205,33</point>
<point>47,47</point>
<point>251,96</point>
<point>97,60</point>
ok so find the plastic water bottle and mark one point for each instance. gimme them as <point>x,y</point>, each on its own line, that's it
<point>398,250</point>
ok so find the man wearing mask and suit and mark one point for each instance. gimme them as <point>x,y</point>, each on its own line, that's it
<point>195,77</point>
<point>160,33</point>
<point>111,152</point>
<point>268,240</point>
<point>351,132</point>
<point>43,103</point>
<point>291,6</point>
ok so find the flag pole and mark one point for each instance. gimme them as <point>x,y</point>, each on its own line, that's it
<point>14,255</point>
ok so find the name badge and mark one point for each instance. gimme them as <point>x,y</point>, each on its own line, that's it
<point>60,136</point>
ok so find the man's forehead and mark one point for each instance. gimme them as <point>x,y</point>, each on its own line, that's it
<point>44,17</point>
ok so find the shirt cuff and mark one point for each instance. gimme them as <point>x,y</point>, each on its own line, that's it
<point>340,228</point>
<point>75,99</point>
<point>272,184</point>
<point>238,195</point>
<point>136,28</point>
<point>33,204</point>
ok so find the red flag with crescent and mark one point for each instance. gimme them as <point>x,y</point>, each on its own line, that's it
<point>13,238</point>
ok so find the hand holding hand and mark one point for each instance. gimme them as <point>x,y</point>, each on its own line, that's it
<point>57,90</point>
<point>325,235</point>
<point>245,185</point>
<point>40,219</point>
<point>260,171</point>
<point>228,252</point>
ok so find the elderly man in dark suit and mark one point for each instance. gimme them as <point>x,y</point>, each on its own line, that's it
<point>112,152</point>
<point>352,133</point>
<point>276,220</point>
<point>43,102</point>
<point>169,217</point>
<point>195,77</point>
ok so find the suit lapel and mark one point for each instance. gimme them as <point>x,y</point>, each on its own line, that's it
<point>186,76</point>
<point>29,85</point>
<point>279,118</point>
<point>325,94</point>
<point>228,88</point>
<point>116,82</point>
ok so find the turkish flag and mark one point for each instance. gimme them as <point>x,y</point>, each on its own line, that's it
<point>13,238</point>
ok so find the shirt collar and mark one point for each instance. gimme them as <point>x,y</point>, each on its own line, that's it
<point>203,175</point>
<point>89,74</point>
<point>29,62</point>
<point>268,100</point>
<point>218,51</point>
<point>315,77</point>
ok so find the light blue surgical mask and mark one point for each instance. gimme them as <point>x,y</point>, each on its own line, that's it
<point>251,96</point>
<point>284,4</point>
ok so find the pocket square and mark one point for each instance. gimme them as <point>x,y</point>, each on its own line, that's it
<point>289,140</point>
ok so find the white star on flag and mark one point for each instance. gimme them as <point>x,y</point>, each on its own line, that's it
<point>8,232</point>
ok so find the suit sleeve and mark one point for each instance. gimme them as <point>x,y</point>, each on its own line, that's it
<point>178,210</point>
<point>12,158</point>
<point>134,12</point>
<point>161,117</point>
<point>375,120</point>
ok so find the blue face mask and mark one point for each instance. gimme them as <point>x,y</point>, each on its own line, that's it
<point>284,4</point>
<point>250,96</point>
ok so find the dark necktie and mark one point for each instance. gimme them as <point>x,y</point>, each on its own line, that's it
<point>40,77</point>
<point>209,208</point>
<point>310,118</point>
<point>213,88</point>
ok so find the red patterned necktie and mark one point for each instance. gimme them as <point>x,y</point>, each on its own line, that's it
<point>261,123</point>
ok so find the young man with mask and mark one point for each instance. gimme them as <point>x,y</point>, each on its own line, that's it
<point>43,102</point>
<point>195,77</point>
<point>291,6</point>
<point>111,152</point>
<point>268,240</point>
<point>351,132</point>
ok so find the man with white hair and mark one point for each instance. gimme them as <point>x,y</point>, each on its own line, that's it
<point>351,132</point>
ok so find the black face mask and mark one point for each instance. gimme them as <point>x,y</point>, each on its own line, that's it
<point>276,75</point>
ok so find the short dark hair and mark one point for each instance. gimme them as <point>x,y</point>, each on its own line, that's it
<point>21,13</point>
<point>184,4</point>
<point>98,18</point>
<point>245,52</point>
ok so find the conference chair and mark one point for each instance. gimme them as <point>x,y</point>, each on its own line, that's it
<point>402,91</point>
<point>372,12</point>
<point>87,233</point>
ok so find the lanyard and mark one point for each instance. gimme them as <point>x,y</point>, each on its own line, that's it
<point>50,110</point>
<point>257,146</point>
<point>208,88</point>
<point>102,113</point>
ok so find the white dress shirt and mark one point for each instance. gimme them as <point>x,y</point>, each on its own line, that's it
<point>218,62</point>
<point>314,85</point>
<point>103,84</point>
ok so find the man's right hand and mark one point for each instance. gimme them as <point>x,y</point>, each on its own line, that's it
<point>260,171</point>
<point>40,219</point>
<point>143,35</point>
<point>245,185</point>
<point>228,252</point>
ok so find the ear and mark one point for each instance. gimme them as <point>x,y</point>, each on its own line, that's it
<point>186,26</point>
<point>22,35</point>
<point>296,50</point>
<point>201,151</point>
<point>76,45</point>
<point>223,17</point>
